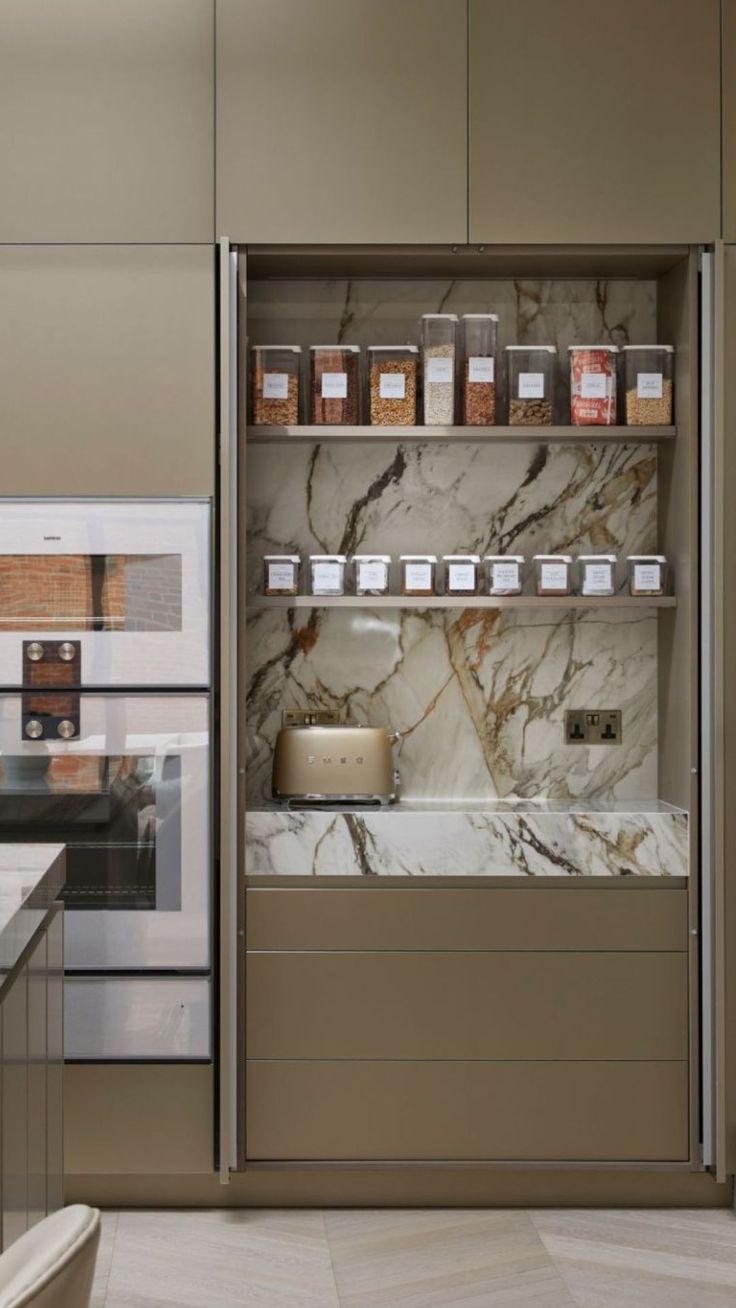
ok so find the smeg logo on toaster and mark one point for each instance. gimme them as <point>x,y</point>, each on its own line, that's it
<point>343,761</point>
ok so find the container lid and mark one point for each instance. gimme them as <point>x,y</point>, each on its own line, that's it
<point>553,558</point>
<point>338,349</point>
<point>328,558</point>
<point>645,558</point>
<point>405,349</point>
<point>371,558</point>
<point>461,558</point>
<point>528,349</point>
<point>473,316</point>
<point>281,558</point>
<point>448,317</point>
<point>503,558</point>
<point>418,558</point>
<point>612,349</point>
<point>597,558</point>
<point>290,349</point>
<point>668,349</point>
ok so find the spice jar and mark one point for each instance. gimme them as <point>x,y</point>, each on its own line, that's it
<point>418,574</point>
<point>647,574</point>
<point>503,573</point>
<point>593,385</point>
<point>552,572</point>
<point>439,331</point>
<point>372,574</point>
<point>479,338</point>
<point>531,384</point>
<point>393,385</point>
<point>335,383</point>
<point>327,573</point>
<point>648,382</point>
<point>461,574</point>
<point>281,574</point>
<point>597,574</point>
<point>275,384</point>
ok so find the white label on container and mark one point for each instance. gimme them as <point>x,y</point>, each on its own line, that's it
<point>281,576</point>
<point>440,370</point>
<point>392,386</point>
<point>647,576</point>
<point>553,576</point>
<point>418,576</point>
<point>275,386</point>
<point>327,578</point>
<point>481,370</point>
<point>531,385</point>
<point>373,576</point>
<point>505,576</point>
<point>593,385</point>
<point>649,385</point>
<point>334,385</point>
<point>597,578</point>
<point>461,576</point>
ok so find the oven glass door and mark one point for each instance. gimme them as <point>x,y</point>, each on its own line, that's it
<point>126,584</point>
<point>129,796</point>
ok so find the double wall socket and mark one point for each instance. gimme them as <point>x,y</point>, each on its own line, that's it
<point>593,727</point>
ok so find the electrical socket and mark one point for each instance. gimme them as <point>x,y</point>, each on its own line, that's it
<point>593,727</point>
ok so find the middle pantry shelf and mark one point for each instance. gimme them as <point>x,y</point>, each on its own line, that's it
<point>459,602</point>
<point>318,434</point>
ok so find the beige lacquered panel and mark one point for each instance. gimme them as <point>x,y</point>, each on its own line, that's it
<point>463,1111</point>
<point>37,1090</point>
<point>107,370</point>
<point>342,120</point>
<point>534,918</point>
<point>14,1115</point>
<point>106,120</point>
<point>466,1005</point>
<point>729,119</point>
<point>55,1063</point>
<point>594,122</point>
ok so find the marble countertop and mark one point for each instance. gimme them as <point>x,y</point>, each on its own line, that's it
<point>31,877</point>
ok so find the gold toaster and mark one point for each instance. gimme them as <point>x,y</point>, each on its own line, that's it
<point>320,760</point>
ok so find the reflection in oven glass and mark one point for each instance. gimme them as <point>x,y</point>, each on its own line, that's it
<point>91,592</point>
<point>119,817</point>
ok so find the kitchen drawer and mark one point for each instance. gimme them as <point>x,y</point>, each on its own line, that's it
<point>467,1111</point>
<point>117,1018</point>
<point>533,917</point>
<point>467,1005</point>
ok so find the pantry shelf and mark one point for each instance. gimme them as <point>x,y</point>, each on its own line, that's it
<point>459,602</point>
<point>319,434</point>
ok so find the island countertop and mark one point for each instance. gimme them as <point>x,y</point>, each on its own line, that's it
<point>31,877</point>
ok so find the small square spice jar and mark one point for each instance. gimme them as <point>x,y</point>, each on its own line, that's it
<point>418,574</point>
<point>597,574</point>
<point>647,574</point>
<point>372,574</point>
<point>553,573</point>
<point>503,573</point>
<point>461,574</point>
<point>327,574</point>
<point>281,574</point>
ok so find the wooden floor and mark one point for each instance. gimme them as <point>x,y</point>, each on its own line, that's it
<point>433,1258</point>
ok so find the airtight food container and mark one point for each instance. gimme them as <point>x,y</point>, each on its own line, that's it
<point>647,574</point>
<point>648,384</point>
<point>439,357</point>
<point>327,574</point>
<point>372,574</point>
<point>531,378</point>
<point>478,368</point>
<point>418,574</point>
<point>281,574</point>
<point>392,380</point>
<point>553,574</point>
<point>335,384</point>
<point>504,573</point>
<point>462,572</point>
<point>597,574</point>
<point>275,384</point>
<point>593,384</point>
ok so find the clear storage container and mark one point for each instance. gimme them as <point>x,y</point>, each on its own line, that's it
<point>504,573</point>
<point>275,384</point>
<point>648,383</point>
<point>479,348</point>
<point>531,384</point>
<point>597,574</point>
<point>439,361</point>
<point>593,385</point>
<point>335,384</point>
<point>281,574</point>
<point>647,574</point>
<point>372,574</point>
<point>418,574</point>
<point>327,573</point>
<point>393,385</point>
<point>462,572</point>
<point>553,574</point>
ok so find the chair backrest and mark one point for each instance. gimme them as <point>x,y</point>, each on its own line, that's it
<point>53,1264</point>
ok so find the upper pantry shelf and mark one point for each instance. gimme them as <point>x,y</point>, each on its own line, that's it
<point>319,433</point>
<point>460,602</point>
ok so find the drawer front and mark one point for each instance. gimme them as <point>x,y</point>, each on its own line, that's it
<point>532,917</point>
<point>467,1111</point>
<point>467,1005</point>
<point>122,1018</point>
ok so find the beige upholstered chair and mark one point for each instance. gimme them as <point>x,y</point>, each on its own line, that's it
<point>53,1264</point>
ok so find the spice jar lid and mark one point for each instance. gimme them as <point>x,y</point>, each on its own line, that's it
<point>371,558</point>
<point>503,558</point>
<point>281,558</point>
<point>461,558</point>
<point>405,349</point>
<point>337,349</point>
<point>290,349</point>
<point>552,558</point>
<point>668,349</point>
<point>328,558</point>
<point>418,558</point>
<point>611,349</point>
<point>597,558</point>
<point>645,558</point>
<point>448,317</point>
<point>529,349</point>
<point>472,316</point>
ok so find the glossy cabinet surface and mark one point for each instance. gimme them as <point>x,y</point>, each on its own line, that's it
<point>728,66</point>
<point>106,129</point>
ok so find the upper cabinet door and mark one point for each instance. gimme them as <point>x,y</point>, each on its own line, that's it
<point>729,120</point>
<point>342,120</point>
<point>106,120</point>
<point>594,122</point>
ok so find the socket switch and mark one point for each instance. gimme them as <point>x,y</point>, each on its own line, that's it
<point>593,727</point>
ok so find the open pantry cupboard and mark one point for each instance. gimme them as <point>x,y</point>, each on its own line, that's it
<point>503,969</point>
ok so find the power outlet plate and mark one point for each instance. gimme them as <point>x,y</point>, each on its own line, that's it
<point>593,727</point>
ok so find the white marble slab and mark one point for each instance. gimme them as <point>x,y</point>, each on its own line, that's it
<point>30,879</point>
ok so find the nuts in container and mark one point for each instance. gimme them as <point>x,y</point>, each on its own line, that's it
<point>372,574</point>
<point>335,384</point>
<point>418,574</point>
<point>647,574</point>
<point>648,382</point>
<point>480,332</point>
<point>552,573</point>
<point>281,574</point>
<point>275,384</point>
<point>439,331</point>
<point>531,384</point>
<point>593,384</point>
<point>461,574</point>
<point>503,572</point>
<point>393,385</point>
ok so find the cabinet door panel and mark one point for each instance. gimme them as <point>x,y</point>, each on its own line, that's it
<point>342,120</point>
<point>106,123</point>
<point>37,1098</point>
<point>15,1109</point>
<point>107,370</point>
<point>592,122</point>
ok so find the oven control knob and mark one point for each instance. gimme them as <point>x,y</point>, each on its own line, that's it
<point>66,729</point>
<point>67,651</point>
<point>35,651</point>
<point>34,728</point>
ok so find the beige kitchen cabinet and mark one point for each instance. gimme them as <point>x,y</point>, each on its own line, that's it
<point>342,120</point>
<point>106,120</point>
<point>729,119</point>
<point>107,370</point>
<point>592,122</point>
